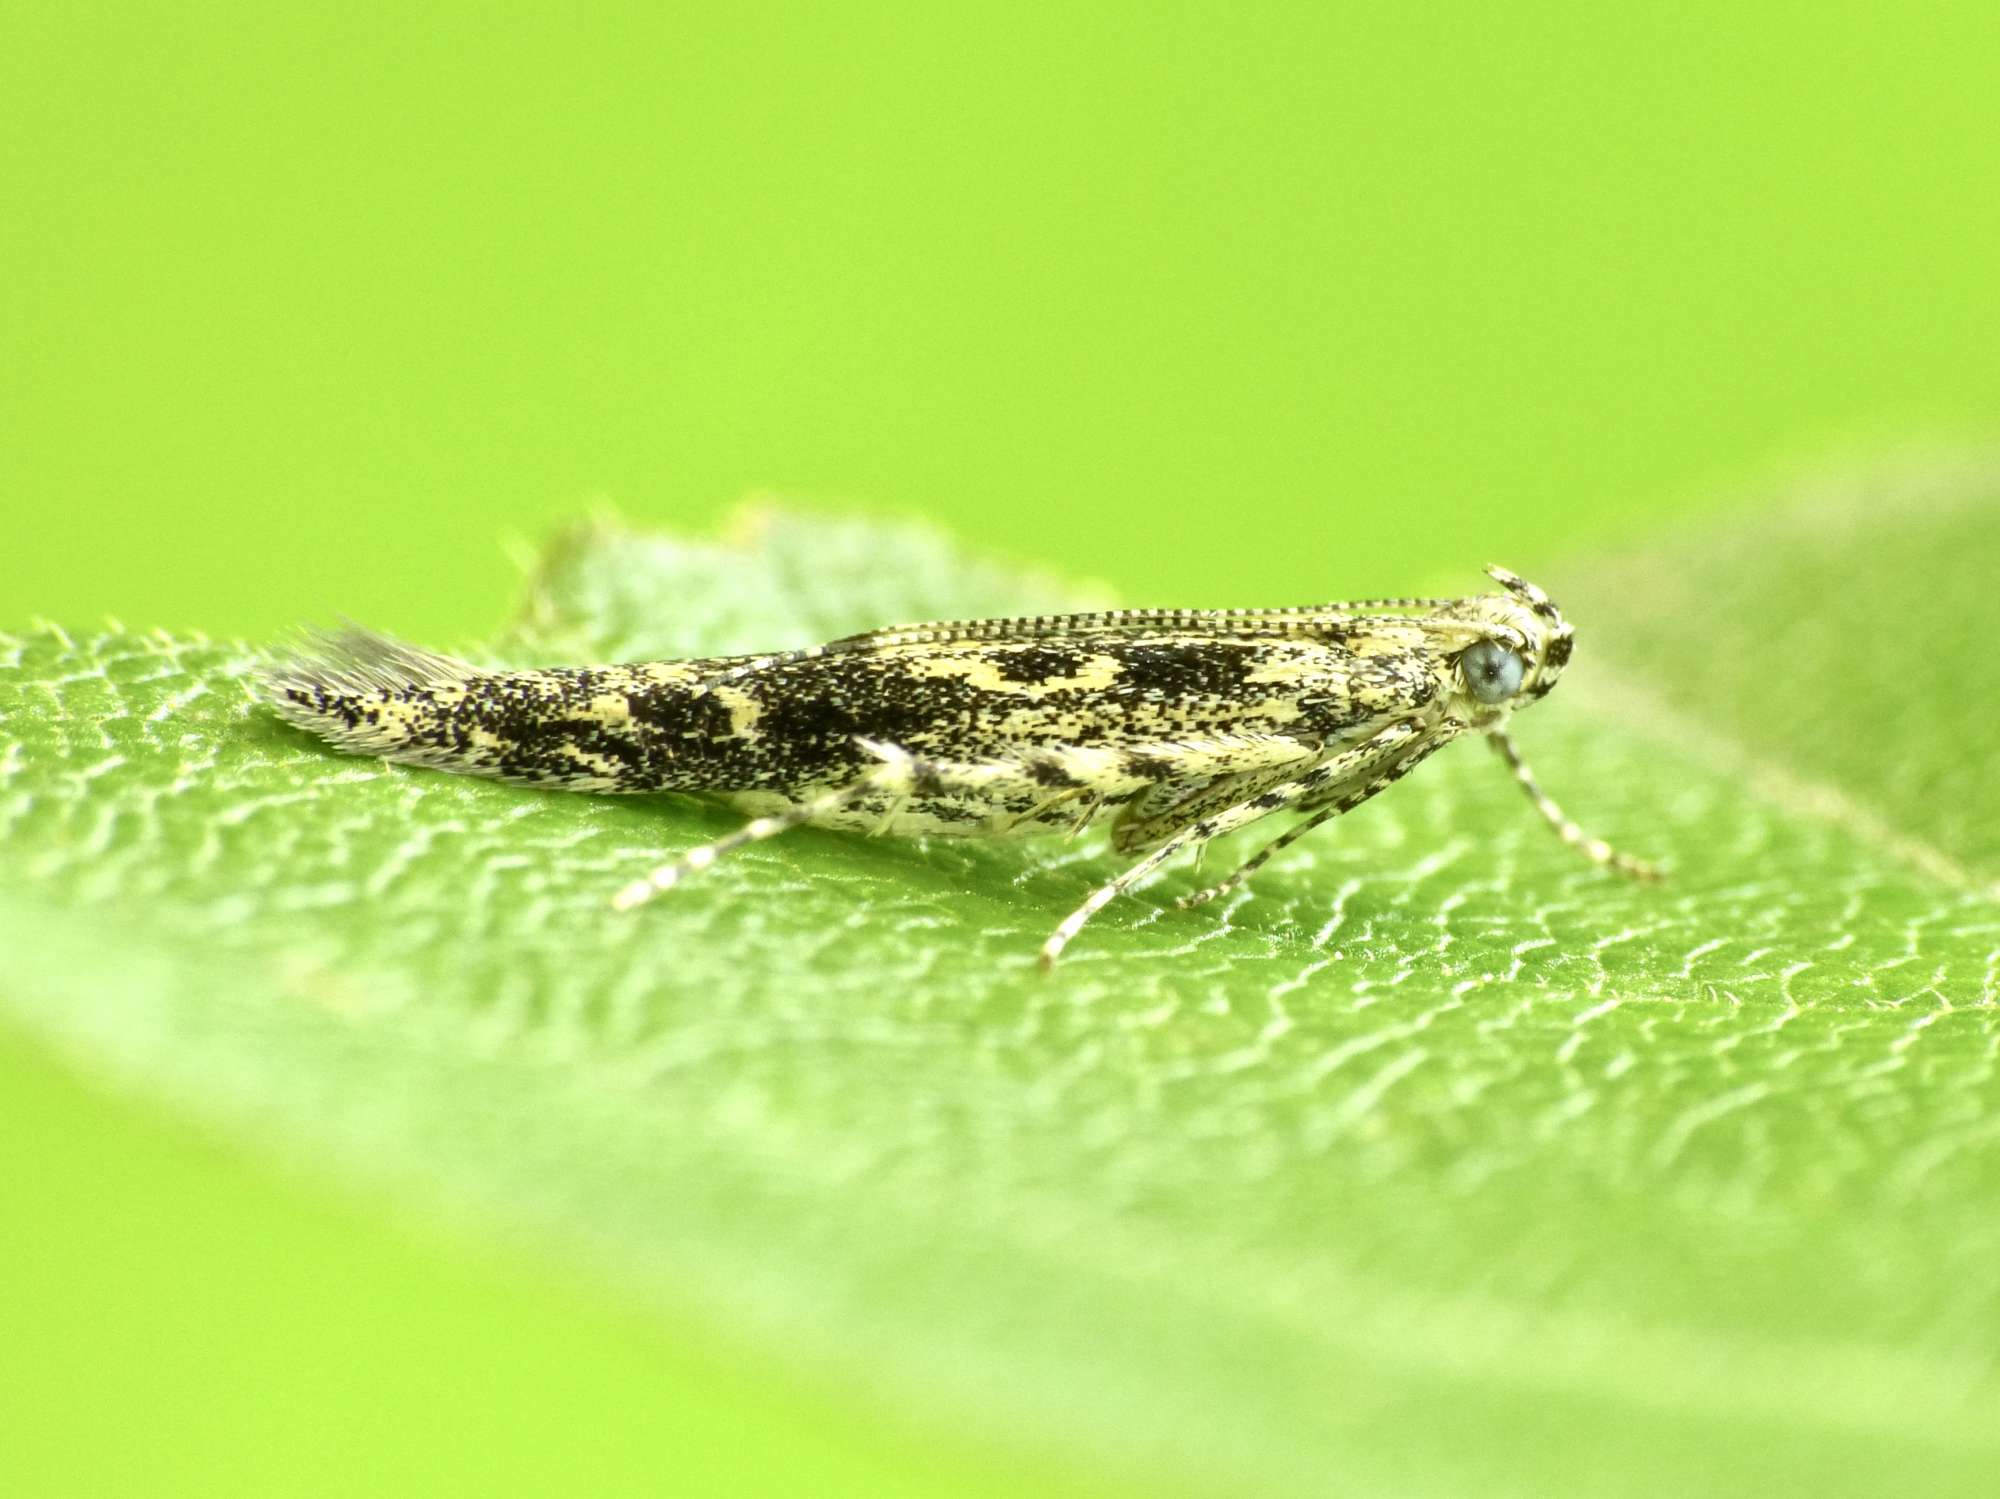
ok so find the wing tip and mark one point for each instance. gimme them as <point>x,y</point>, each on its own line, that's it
<point>349,660</point>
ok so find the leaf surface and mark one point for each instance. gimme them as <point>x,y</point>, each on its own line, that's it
<point>1440,1162</point>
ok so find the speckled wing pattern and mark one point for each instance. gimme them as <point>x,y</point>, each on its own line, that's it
<point>1175,725</point>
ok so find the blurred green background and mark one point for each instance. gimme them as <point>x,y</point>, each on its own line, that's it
<point>304,310</point>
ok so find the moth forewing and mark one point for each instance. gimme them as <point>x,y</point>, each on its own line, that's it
<point>1176,726</point>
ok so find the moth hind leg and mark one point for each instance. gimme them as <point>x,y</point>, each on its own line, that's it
<point>898,773</point>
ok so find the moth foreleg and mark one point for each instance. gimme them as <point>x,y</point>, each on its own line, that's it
<point>1592,848</point>
<point>896,773</point>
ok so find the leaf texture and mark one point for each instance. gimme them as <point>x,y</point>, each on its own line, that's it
<point>1438,1163</point>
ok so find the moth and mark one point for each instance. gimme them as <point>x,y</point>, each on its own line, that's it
<point>1174,726</point>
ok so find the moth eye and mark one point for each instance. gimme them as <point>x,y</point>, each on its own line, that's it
<point>1492,672</point>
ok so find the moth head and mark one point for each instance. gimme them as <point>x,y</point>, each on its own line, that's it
<point>1520,645</point>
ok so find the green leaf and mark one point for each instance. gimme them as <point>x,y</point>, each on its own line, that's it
<point>1845,641</point>
<point>1441,1162</point>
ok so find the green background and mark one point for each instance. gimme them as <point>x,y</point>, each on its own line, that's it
<point>307,313</point>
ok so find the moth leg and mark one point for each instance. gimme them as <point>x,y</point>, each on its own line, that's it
<point>898,772</point>
<point>1263,856</point>
<point>895,810</point>
<point>1048,804</point>
<point>1594,849</point>
<point>1086,816</point>
<point>1287,794</point>
<point>1168,806</point>
<point>1345,801</point>
<point>1093,802</point>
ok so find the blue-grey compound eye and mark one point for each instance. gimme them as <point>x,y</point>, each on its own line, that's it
<point>1492,672</point>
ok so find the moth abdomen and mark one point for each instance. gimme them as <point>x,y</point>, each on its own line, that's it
<point>624,728</point>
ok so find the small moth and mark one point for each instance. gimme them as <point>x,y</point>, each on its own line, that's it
<point>1176,726</point>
